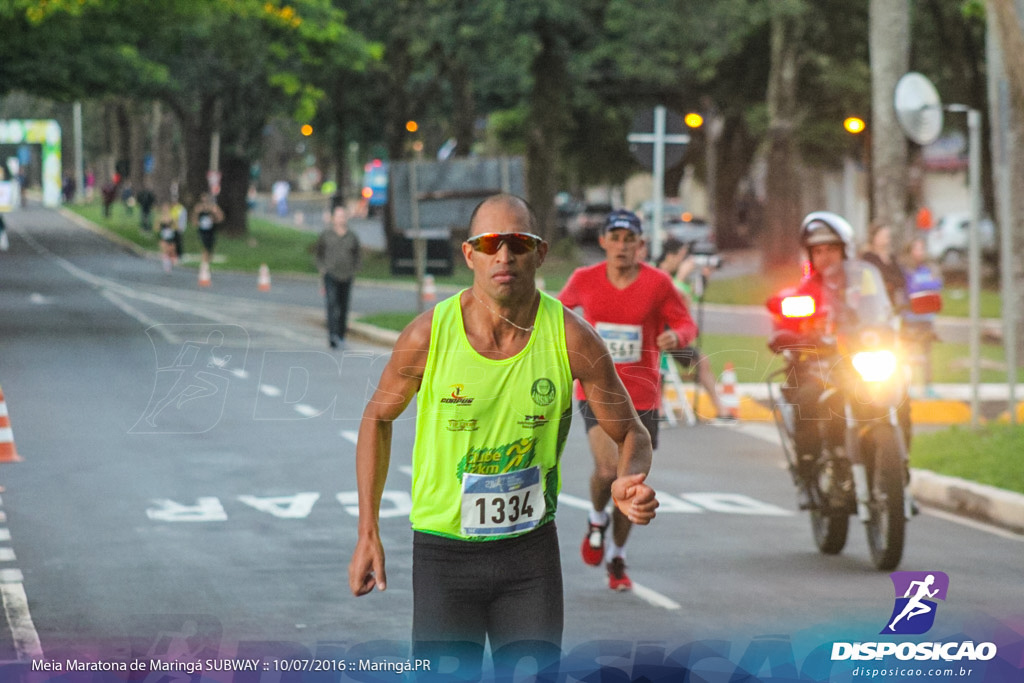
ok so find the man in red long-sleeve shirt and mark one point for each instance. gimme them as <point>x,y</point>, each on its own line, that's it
<point>639,313</point>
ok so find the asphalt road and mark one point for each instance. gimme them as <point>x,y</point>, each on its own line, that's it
<point>187,490</point>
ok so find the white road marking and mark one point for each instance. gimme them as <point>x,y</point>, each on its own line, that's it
<point>297,506</point>
<point>130,310</point>
<point>653,597</point>
<point>7,555</point>
<point>11,576</point>
<point>26,639</point>
<point>269,390</point>
<point>308,410</point>
<point>574,502</point>
<point>350,435</point>
<point>205,510</point>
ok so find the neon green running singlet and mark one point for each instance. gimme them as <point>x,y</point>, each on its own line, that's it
<point>490,433</point>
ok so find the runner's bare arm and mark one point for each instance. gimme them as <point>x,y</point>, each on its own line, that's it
<point>398,384</point>
<point>591,364</point>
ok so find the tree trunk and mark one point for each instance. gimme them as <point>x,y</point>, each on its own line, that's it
<point>399,68</point>
<point>197,131</point>
<point>1006,94</point>
<point>782,207</point>
<point>234,189</point>
<point>165,160</point>
<point>733,227</point>
<point>339,147</point>
<point>545,132</point>
<point>889,43</point>
<point>464,115</point>
<point>136,145</point>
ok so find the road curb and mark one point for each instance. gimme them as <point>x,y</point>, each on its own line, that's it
<point>989,504</point>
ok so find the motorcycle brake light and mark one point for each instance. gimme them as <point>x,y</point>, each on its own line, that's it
<point>798,306</point>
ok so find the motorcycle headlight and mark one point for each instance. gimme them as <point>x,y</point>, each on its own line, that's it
<point>875,366</point>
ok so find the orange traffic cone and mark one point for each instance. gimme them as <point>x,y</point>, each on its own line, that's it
<point>8,453</point>
<point>729,398</point>
<point>204,274</point>
<point>263,282</point>
<point>429,295</point>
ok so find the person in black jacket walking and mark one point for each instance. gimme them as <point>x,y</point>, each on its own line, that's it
<point>337,259</point>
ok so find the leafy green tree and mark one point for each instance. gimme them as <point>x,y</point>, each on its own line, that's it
<point>218,66</point>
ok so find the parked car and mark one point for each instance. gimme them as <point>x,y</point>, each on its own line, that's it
<point>947,242</point>
<point>588,223</point>
<point>678,222</point>
<point>567,208</point>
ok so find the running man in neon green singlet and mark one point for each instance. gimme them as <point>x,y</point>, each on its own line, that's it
<point>493,369</point>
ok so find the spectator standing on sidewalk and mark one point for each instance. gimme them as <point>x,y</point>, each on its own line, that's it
<point>338,259</point>
<point>880,254</point>
<point>146,200</point>
<point>919,328</point>
<point>128,197</point>
<point>109,193</point>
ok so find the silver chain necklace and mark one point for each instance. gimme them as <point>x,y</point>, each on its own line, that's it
<point>518,327</point>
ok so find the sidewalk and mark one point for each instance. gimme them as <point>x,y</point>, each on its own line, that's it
<point>953,405</point>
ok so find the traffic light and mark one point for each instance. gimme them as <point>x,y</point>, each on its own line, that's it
<point>306,130</point>
<point>412,126</point>
<point>693,120</point>
<point>854,125</point>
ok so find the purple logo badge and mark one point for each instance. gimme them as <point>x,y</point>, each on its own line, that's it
<point>916,593</point>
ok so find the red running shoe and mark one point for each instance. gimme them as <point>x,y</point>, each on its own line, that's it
<point>592,549</point>
<point>617,579</point>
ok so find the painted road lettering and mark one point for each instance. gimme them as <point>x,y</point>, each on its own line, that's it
<point>399,504</point>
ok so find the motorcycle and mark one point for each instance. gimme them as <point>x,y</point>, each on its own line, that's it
<point>841,406</point>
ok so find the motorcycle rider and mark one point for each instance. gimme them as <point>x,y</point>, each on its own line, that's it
<point>818,415</point>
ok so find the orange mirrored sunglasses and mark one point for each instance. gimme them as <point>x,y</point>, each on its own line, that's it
<point>518,242</point>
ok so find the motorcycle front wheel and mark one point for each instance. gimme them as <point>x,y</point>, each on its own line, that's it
<point>830,519</point>
<point>886,526</point>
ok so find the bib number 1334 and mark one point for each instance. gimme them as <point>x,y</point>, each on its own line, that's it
<point>496,504</point>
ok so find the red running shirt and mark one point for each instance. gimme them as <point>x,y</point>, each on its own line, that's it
<point>630,320</point>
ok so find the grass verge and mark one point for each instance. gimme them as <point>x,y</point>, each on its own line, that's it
<point>990,455</point>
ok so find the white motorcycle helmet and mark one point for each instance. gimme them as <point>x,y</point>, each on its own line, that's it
<point>825,227</point>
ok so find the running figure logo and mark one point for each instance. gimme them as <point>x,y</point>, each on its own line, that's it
<point>916,592</point>
<point>195,365</point>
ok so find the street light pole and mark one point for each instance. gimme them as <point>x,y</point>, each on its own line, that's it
<point>658,139</point>
<point>973,251</point>
<point>79,161</point>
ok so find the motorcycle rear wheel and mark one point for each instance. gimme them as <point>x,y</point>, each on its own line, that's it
<point>830,520</point>
<point>886,526</point>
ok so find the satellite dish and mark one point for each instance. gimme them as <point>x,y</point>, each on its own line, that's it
<point>918,108</point>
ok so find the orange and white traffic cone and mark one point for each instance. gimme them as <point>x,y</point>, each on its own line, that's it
<point>204,274</point>
<point>263,282</point>
<point>8,453</point>
<point>727,396</point>
<point>429,295</point>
